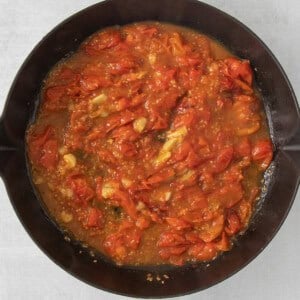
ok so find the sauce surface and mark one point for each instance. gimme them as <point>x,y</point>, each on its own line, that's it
<point>150,144</point>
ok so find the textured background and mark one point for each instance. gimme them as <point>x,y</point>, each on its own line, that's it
<point>26,273</point>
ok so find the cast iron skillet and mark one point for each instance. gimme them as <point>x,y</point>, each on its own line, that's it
<point>283,117</point>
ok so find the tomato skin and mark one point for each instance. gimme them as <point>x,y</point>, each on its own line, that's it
<point>125,133</point>
<point>193,238</point>
<point>114,246</point>
<point>223,159</point>
<point>139,34</point>
<point>166,253</point>
<point>169,239</point>
<point>102,41</point>
<point>172,245</point>
<point>161,176</point>
<point>49,156</point>
<point>67,74</point>
<point>43,149</point>
<point>203,251</point>
<point>122,66</point>
<point>233,223</point>
<point>166,76</point>
<point>195,249</point>
<point>212,229</point>
<point>262,153</point>
<point>243,148</point>
<point>157,121</point>
<point>53,94</point>
<point>126,239</point>
<point>226,84</point>
<point>181,152</point>
<point>95,217</point>
<point>193,160</point>
<point>119,120</point>
<point>231,194</point>
<point>90,83</point>
<point>196,200</point>
<point>187,119</point>
<point>149,30</point>
<point>83,193</point>
<point>240,69</point>
<point>188,61</point>
<point>127,203</point>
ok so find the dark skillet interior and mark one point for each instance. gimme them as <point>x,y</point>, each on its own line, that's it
<point>283,117</point>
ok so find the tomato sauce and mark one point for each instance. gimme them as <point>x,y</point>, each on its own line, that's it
<point>150,144</point>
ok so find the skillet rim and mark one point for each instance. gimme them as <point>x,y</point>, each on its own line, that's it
<point>217,11</point>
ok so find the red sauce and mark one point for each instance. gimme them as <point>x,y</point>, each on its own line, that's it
<point>150,144</point>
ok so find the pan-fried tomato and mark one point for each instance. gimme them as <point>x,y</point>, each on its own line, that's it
<point>48,157</point>
<point>43,148</point>
<point>223,159</point>
<point>81,189</point>
<point>150,144</point>
<point>95,217</point>
<point>102,41</point>
<point>262,153</point>
<point>169,239</point>
<point>239,69</point>
<point>203,252</point>
<point>124,241</point>
<point>233,223</point>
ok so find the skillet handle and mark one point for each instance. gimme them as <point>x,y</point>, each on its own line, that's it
<point>293,148</point>
<point>6,147</point>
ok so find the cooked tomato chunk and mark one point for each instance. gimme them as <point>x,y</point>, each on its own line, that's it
<point>262,153</point>
<point>43,148</point>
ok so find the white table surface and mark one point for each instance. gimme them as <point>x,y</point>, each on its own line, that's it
<point>26,273</point>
